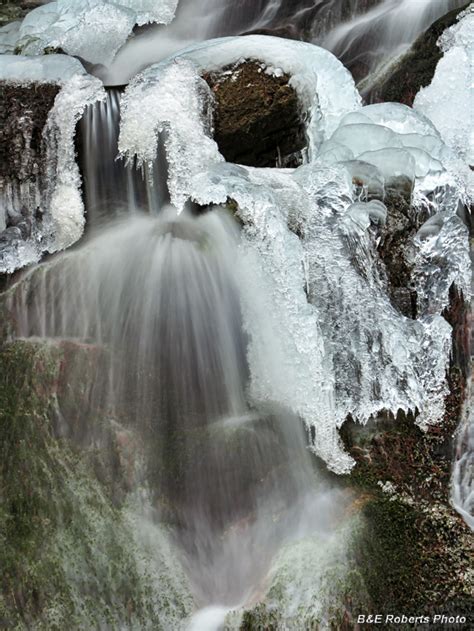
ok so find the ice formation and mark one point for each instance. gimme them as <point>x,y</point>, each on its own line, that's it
<point>55,192</point>
<point>310,236</point>
<point>448,101</point>
<point>9,37</point>
<point>77,26</point>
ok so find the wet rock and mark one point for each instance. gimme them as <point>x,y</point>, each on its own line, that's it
<point>287,31</point>
<point>23,114</point>
<point>415,70</point>
<point>258,120</point>
<point>457,314</point>
<point>400,228</point>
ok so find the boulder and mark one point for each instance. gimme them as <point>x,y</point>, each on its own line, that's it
<point>258,120</point>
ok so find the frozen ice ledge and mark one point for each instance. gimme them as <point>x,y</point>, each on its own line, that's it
<point>76,27</point>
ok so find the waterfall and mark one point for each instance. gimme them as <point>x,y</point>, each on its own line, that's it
<point>162,294</point>
<point>246,318</point>
<point>368,41</point>
<point>110,185</point>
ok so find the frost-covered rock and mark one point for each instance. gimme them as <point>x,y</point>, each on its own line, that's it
<point>40,182</point>
<point>77,26</point>
<point>449,100</point>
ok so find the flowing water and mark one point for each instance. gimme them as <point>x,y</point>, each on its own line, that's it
<point>364,34</point>
<point>235,481</point>
<point>109,185</point>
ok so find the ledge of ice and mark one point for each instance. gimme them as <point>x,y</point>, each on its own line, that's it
<point>40,69</point>
<point>77,26</point>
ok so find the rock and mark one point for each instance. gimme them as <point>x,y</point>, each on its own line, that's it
<point>415,70</point>
<point>67,553</point>
<point>11,11</point>
<point>414,550</point>
<point>305,19</point>
<point>23,114</point>
<point>287,31</point>
<point>394,249</point>
<point>258,119</point>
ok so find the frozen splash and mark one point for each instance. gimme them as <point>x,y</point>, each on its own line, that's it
<point>54,195</point>
<point>310,237</point>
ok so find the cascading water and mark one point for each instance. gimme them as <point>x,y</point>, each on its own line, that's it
<point>228,476</point>
<point>363,34</point>
<point>108,183</point>
<point>366,43</point>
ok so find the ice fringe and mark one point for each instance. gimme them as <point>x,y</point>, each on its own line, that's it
<point>56,191</point>
<point>340,347</point>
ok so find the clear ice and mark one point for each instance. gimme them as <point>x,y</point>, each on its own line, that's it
<point>448,101</point>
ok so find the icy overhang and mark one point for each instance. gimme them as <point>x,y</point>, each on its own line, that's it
<point>77,27</point>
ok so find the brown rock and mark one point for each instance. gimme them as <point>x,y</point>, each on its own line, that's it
<point>258,119</point>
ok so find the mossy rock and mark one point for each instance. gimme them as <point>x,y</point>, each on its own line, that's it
<point>414,557</point>
<point>67,553</point>
<point>314,584</point>
<point>415,70</point>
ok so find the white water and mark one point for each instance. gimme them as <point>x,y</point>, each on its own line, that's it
<point>364,42</point>
<point>163,295</point>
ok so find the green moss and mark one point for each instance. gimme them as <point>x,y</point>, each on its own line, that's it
<point>413,559</point>
<point>66,554</point>
<point>388,555</point>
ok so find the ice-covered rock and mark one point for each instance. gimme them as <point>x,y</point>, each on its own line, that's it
<point>43,190</point>
<point>448,101</point>
<point>340,346</point>
<point>77,26</point>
